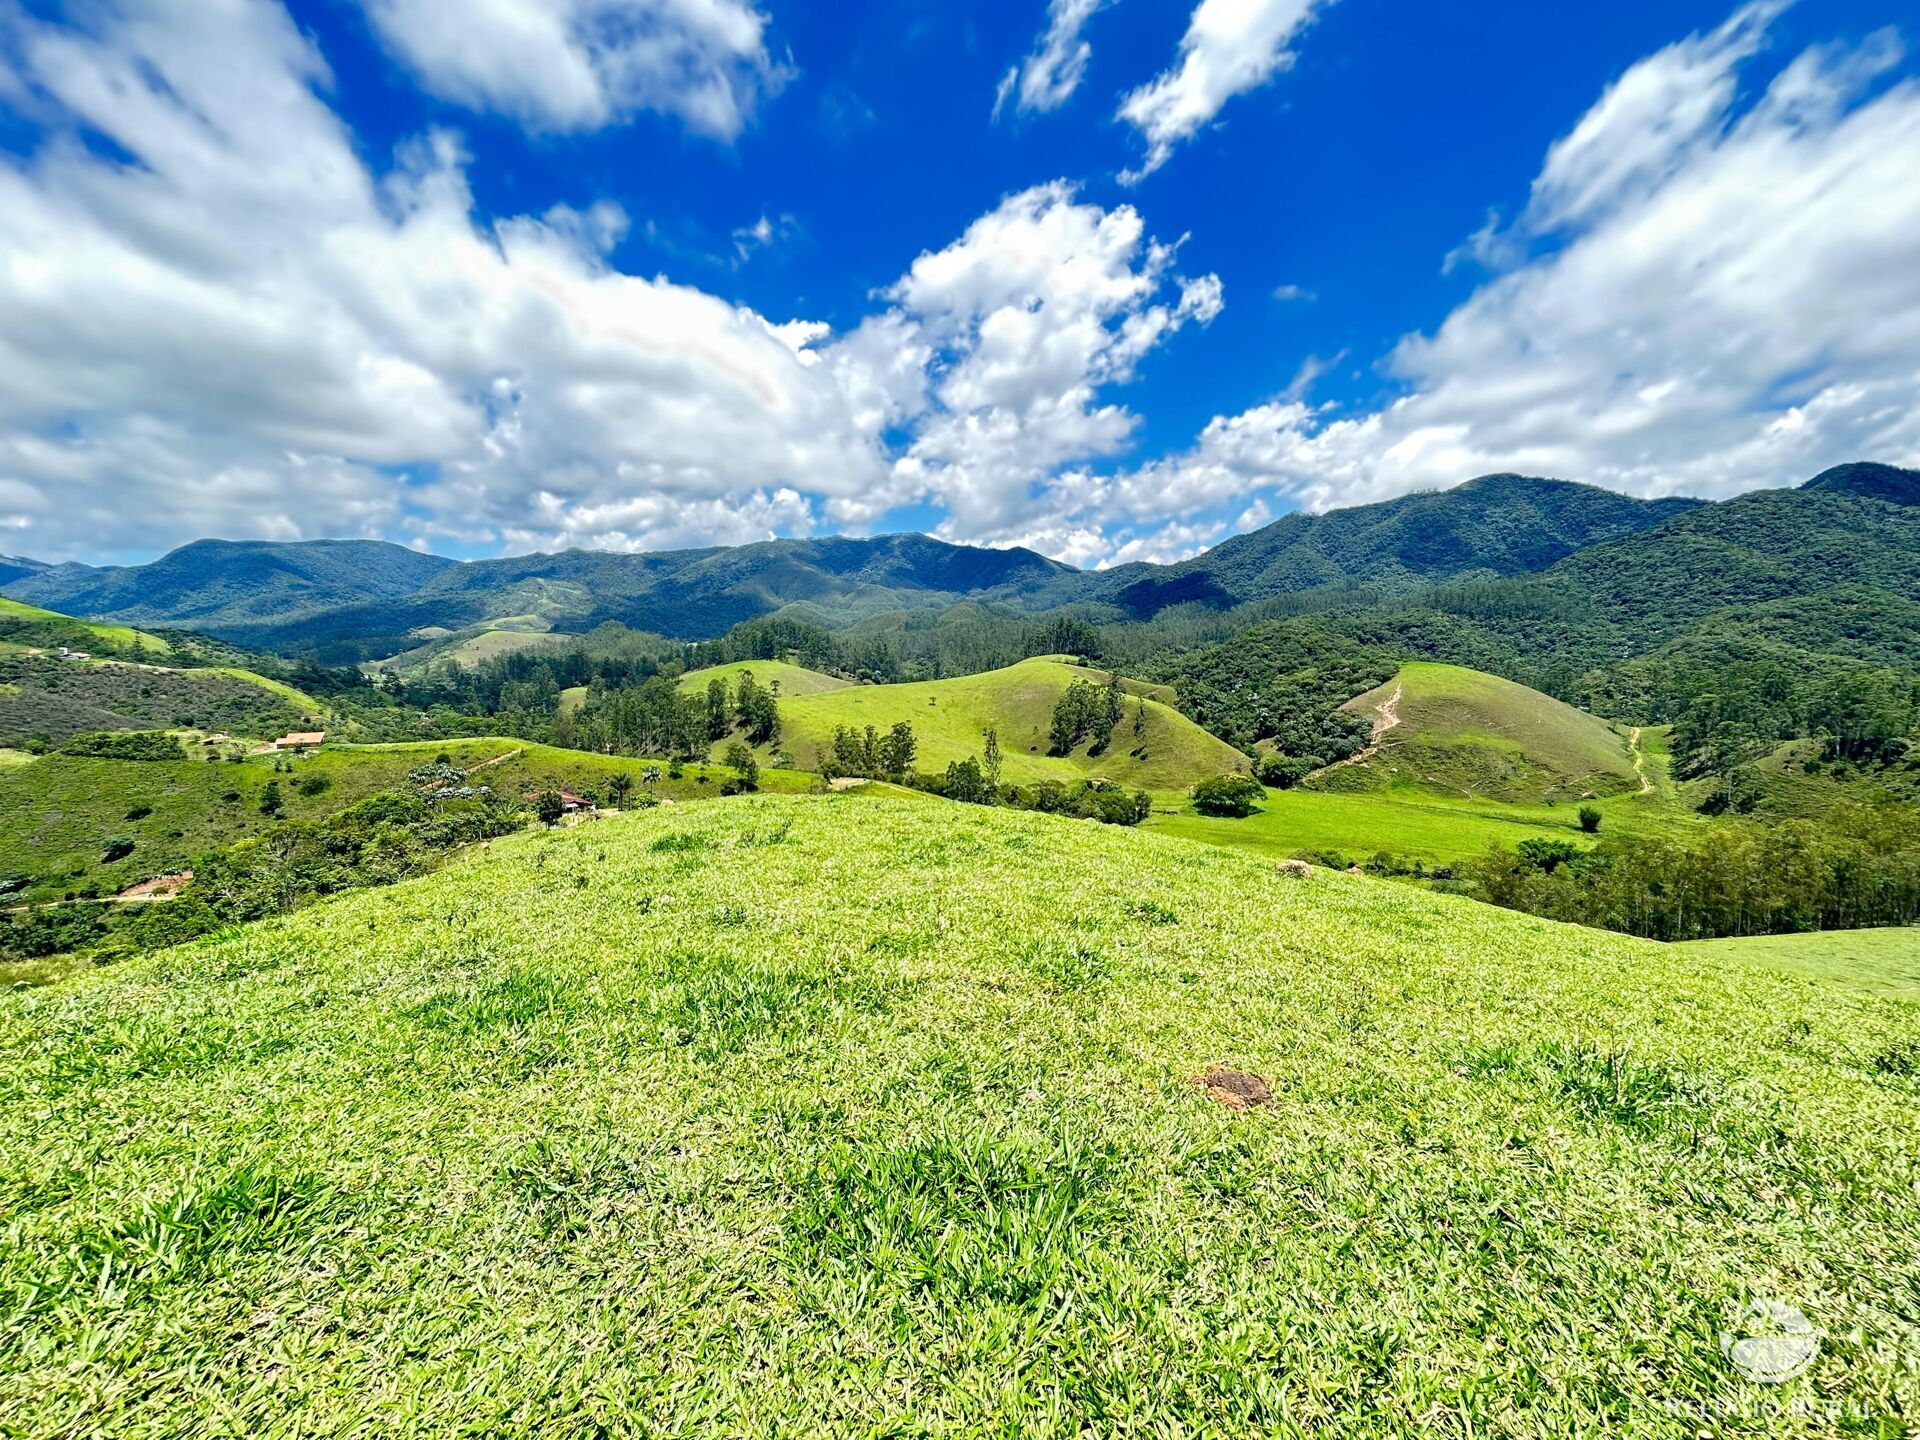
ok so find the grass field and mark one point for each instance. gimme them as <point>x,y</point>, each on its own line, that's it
<point>866,1116</point>
<point>1476,735</point>
<point>949,718</point>
<point>1420,823</point>
<point>472,650</point>
<point>1401,821</point>
<point>793,679</point>
<point>1885,962</point>
<point>57,813</point>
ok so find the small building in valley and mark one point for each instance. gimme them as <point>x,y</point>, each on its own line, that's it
<point>301,740</point>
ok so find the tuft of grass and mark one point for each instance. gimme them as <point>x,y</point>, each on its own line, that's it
<point>957,1219</point>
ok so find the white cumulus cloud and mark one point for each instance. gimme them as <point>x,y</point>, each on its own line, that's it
<point>583,64</point>
<point>248,332</point>
<point>1027,318</point>
<point>1704,293</point>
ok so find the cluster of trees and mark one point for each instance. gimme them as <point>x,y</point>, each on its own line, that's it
<point>870,754</point>
<point>750,705</point>
<point>1234,796</point>
<point>1066,635</point>
<point>971,782</point>
<point>1862,715</point>
<point>125,745</point>
<point>1284,681</point>
<point>1856,867</point>
<point>1089,710</point>
<point>778,637</point>
<point>648,718</point>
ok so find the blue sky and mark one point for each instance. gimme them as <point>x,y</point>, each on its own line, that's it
<point>647,273</point>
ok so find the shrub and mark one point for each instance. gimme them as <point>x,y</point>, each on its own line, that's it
<point>315,784</point>
<point>1235,796</point>
<point>117,848</point>
<point>139,812</point>
<point>548,807</point>
<point>125,745</point>
<point>740,759</point>
<point>1547,856</point>
<point>1283,772</point>
<point>1589,819</point>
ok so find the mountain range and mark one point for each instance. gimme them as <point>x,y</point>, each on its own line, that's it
<point>1667,561</point>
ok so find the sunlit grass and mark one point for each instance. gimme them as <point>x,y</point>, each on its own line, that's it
<point>867,1115</point>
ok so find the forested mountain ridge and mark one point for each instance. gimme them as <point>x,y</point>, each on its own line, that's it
<point>20,567</point>
<point>1875,482</point>
<point>1497,525</point>
<point>224,587</point>
<point>1557,577</point>
<point>371,597</point>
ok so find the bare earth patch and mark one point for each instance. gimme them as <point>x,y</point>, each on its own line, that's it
<point>1236,1089</point>
<point>160,887</point>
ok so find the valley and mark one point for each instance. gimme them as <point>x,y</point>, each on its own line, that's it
<point>890,972</point>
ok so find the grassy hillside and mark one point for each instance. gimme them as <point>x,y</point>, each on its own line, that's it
<point>758,1118</point>
<point>1407,823</point>
<point>949,718</point>
<point>24,624</point>
<point>469,649</point>
<point>793,679</point>
<point>49,700</point>
<point>1462,732</point>
<point>58,812</point>
<point>1883,962</point>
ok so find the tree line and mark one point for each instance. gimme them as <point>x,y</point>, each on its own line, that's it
<point>1856,867</point>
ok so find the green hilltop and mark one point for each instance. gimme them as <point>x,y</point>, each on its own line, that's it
<point>854,1115</point>
<point>1457,731</point>
<point>951,717</point>
<point>23,625</point>
<point>793,680</point>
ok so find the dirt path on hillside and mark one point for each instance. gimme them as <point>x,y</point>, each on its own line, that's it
<point>497,760</point>
<point>1384,719</point>
<point>1639,760</point>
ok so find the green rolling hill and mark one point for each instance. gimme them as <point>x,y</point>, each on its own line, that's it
<point>950,718</point>
<point>793,680</point>
<point>28,626</point>
<point>128,685</point>
<point>1455,731</point>
<point>823,1115</point>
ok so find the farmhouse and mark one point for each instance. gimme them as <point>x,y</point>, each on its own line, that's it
<point>301,740</point>
<point>573,804</point>
<point>66,654</point>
